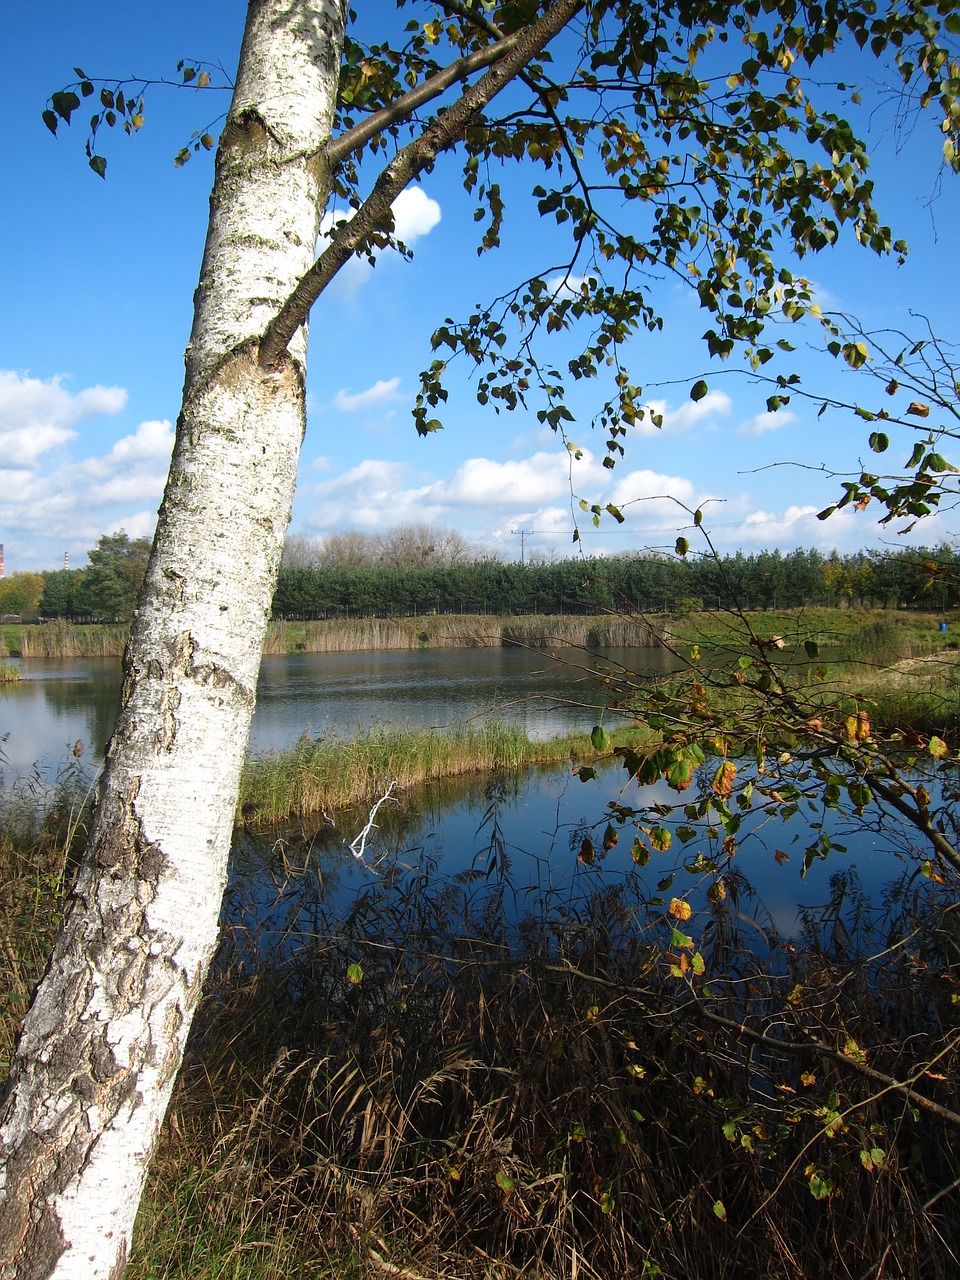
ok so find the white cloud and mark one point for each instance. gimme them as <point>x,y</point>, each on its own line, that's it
<point>72,503</point>
<point>415,214</point>
<point>764,422</point>
<point>384,391</point>
<point>714,404</point>
<point>38,415</point>
<point>24,447</point>
<point>544,477</point>
<point>569,286</point>
<point>479,497</point>
<point>151,442</point>
<point>654,489</point>
<point>796,526</point>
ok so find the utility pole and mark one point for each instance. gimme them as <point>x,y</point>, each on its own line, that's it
<point>523,535</point>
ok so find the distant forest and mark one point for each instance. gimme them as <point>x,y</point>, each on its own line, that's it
<point>647,583</point>
<point>453,578</point>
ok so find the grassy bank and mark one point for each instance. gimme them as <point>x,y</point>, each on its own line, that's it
<point>879,634</point>
<point>61,639</point>
<point>333,773</point>
<point>900,667</point>
<point>912,634</point>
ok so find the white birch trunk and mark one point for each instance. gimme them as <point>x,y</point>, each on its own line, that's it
<point>102,1043</point>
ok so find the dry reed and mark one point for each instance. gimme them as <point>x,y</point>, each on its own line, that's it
<point>60,639</point>
<point>354,635</point>
<point>419,1088</point>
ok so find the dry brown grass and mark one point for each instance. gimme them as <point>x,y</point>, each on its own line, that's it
<point>465,631</point>
<point>481,1100</point>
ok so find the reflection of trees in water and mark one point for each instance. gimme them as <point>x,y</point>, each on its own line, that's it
<point>86,703</point>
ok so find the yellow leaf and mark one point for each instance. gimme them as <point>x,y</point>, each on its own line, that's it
<point>723,779</point>
<point>679,909</point>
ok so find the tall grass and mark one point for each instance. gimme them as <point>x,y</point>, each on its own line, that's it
<point>60,639</point>
<point>40,836</point>
<point>418,1087</point>
<point>331,772</point>
<point>353,635</point>
<point>9,673</point>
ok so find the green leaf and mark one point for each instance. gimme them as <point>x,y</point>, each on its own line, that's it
<point>600,738</point>
<point>811,648</point>
<point>856,354</point>
<point>719,1210</point>
<point>355,973</point>
<point>879,441</point>
<point>505,1182</point>
<point>938,748</point>
<point>50,120</point>
<point>698,390</point>
<point>64,103</point>
<point>640,854</point>
<point>660,838</point>
<point>682,546</point>
<point>99,166</point>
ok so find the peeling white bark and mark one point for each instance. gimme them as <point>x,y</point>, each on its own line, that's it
<point>101,1045</point>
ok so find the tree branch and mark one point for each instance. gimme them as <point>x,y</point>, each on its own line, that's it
<point>813,1045</point>
<point>440,135</point>
<point>338,149</point>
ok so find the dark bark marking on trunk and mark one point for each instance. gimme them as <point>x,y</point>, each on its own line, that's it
<point>243,133</point>
<point>44,1247</point>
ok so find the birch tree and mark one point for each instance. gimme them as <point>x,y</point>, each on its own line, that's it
<point>654,168</point>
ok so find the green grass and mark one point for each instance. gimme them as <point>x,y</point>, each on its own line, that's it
<point>332,773</point>
<point>9,673</point>
<point>864,631</point>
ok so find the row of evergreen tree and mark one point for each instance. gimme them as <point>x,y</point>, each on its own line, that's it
<point>649,583</point>
<point>921,578</point>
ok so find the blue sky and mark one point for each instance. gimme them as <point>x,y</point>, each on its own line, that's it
<point>97,283</point>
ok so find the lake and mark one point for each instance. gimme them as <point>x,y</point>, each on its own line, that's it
<point>522,835</point>
<point>59,702</point>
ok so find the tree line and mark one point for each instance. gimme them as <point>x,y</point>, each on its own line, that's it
<point>412,570</point>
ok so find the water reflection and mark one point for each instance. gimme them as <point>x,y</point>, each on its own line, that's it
<point>513,846</point>
<point>58,701</point>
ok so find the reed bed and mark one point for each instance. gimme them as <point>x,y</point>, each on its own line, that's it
<point>354,635</point>
<point>420,1087</point>
<point>40,839</point>
<point>9,673</point>
<point>60,639</point>
<point>333,773</point>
